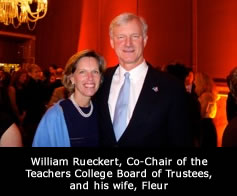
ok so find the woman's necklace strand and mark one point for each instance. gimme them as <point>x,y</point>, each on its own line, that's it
<point>79,109</point>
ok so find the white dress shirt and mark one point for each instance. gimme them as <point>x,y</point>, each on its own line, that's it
<point>137,77</point>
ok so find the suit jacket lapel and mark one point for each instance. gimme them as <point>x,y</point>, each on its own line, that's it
<point>106,90</point>
<point>144,105</point>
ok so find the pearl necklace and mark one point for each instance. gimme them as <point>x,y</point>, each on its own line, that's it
<point>79,109</point>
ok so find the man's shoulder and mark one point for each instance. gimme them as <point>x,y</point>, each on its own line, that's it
<point>110,70</point>
<point>164,79</point>
<point>108,74</point>
<point>160,75</point>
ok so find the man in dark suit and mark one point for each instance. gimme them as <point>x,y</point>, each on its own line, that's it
<point>156,110</point>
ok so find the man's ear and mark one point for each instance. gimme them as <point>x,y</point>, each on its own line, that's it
<point>145,41</point>
<point>112,43</point>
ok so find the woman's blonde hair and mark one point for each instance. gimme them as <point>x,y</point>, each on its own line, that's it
<point>204,83</point>
<point>71,66</point>
<point>206,91</point>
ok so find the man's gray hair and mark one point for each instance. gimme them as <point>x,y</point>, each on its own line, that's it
<point>124,18</point>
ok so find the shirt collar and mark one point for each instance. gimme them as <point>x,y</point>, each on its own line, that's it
<point>135,73</point>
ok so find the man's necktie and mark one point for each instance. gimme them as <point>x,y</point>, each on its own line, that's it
<point>121,108</point>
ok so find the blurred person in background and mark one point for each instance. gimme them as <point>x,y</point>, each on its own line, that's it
<point>231,104</point>
<point>229,138</point>
<point>186,76</point>
<point>19,82</point>
<point>205,89</point>
<point>10,135</point>
<point>35,102</point>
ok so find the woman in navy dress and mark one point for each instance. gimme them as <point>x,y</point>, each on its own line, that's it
<point>72,122</point>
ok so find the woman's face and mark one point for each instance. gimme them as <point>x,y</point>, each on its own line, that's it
<point>87,77</point>
<point>52,79</point>
<point>23,78</point>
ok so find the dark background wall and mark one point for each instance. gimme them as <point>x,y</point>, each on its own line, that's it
<point>170,30</point>
<point>216,36</point>
<point>57,34</point>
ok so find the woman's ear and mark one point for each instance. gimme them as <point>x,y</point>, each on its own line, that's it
<point>72,79</point>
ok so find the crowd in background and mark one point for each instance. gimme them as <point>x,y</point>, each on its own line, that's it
<point>202,102</point>
<point>26,95</point>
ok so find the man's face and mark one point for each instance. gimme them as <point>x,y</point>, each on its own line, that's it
<point>128,42</point>
<point>36,74</point>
